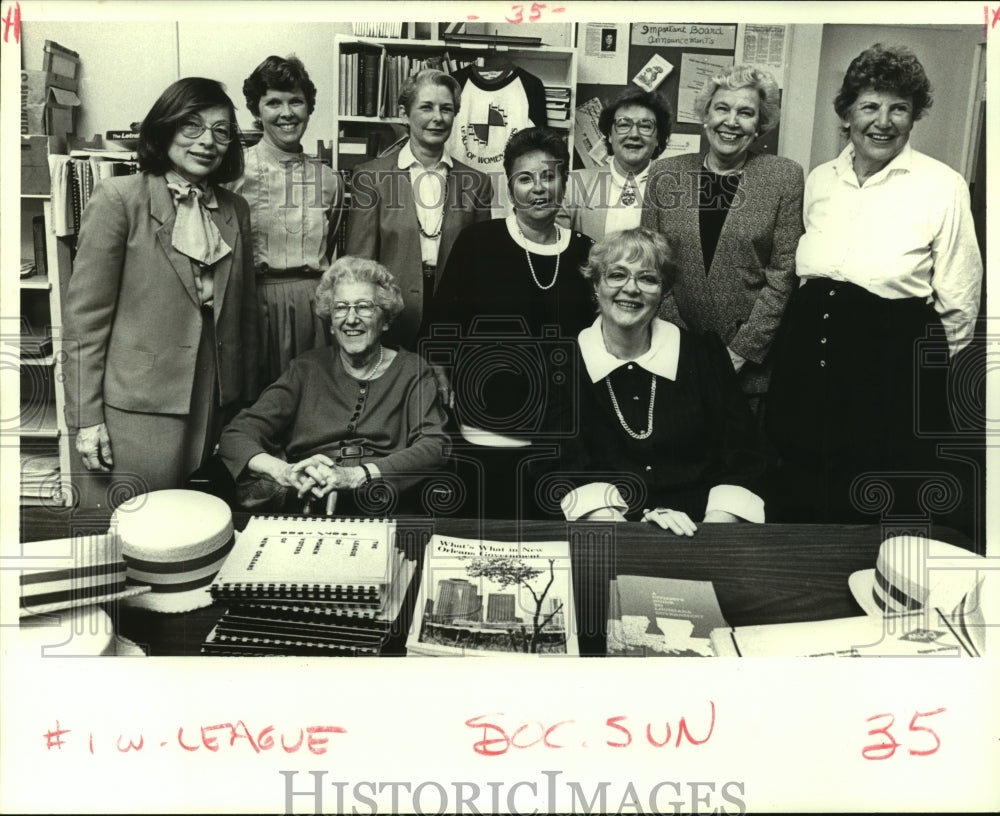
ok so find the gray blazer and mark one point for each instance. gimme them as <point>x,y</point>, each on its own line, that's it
<point>743,296</point>
<point>132,320</point>
<point>382,225</point>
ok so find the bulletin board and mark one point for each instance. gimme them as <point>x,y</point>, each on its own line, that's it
<point>639,54</point>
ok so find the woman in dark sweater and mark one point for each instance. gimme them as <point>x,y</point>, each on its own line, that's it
<point>655,424</point>
<point>511,295</point>
<point>360,419</point>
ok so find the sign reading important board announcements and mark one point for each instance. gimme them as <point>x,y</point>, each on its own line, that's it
<point>685,35</point>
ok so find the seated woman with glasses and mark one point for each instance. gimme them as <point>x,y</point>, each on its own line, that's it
<point>654,427</point>
<point>160,321</point>
<point>359,420</point>
<point>635,127</point>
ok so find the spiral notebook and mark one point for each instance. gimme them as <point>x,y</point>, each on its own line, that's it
<point>305,558</point>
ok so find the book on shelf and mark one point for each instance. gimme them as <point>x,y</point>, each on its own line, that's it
<point>36,344</point>
<point>914,635</point>
<point>483,598</point>
<point>661,617</point>
<point>381,83</point>
<point>370,83</point>
<point>39,475</point>
<point>352,73</point>
<point>38,245</point>
<point>341,84</point>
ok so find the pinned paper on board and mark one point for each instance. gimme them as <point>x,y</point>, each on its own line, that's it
<point>680,143</point>
<point>653,73</point>
<point>603,54</point>
<point>765,46</point>
<point>589,141</point>
<point>696,70</point>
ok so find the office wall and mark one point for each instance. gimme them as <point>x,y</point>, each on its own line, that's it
<point>947,54</point>
<point>126,65</point>
<point>798,103</point>
<point>247,44</point>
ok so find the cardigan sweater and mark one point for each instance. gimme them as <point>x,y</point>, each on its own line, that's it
<point>310,410</point>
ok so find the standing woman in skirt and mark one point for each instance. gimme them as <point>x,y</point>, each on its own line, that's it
<point>295,206</point>
<point>161,316</point>
<point>891,278</point>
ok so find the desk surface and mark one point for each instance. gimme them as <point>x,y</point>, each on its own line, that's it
<point>768,573</point>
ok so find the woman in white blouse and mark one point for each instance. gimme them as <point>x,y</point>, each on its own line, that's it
<point>602,200</point>
<point>891,276</point>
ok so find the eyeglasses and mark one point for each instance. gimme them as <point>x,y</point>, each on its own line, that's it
<point>365,309</point>
<point>222,132</point>
<point>624,125</point>
<point>646,281</point>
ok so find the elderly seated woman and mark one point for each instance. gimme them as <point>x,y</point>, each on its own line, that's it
<point>347,416</point>
<point>654,408</point>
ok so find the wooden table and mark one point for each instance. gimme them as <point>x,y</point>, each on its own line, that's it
<point>766,573</point>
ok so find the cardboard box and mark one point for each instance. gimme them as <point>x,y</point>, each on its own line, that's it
<point>35,151</point>
<point>58,59</point>
<point>48,102</point>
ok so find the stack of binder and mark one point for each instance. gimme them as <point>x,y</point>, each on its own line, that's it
<point>557,103</point>
<point>310,586</point>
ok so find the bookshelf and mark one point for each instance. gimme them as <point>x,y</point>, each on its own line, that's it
<point>46,458</point>
<point>390,60</point>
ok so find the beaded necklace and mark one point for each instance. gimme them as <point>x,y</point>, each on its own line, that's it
<point>649,416</point>
<point>444,202</point>
<point>531,266</point>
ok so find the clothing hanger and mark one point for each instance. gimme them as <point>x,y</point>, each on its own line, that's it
<point>495,62</point>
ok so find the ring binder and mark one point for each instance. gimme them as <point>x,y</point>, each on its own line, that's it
<point>310,586</point>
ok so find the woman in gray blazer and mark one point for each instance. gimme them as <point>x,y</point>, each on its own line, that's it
<point>407,208</point>
<point>161,316</point>
<point>735,218</point>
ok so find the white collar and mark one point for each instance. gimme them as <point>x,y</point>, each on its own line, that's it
<point>620,180</point>
<point>405,159</point>
<point>281,155</point>
<point>661,359</point>
<point>562,239</point>
<point>903,162</point>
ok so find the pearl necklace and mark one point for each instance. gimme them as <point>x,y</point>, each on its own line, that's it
<point>649,416</point>
<point>531,266</point>
<point>374,369</point>
<point>731,171</point>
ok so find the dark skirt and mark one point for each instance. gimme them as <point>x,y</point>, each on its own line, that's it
<point>289,324</point>
<point>858,400</point>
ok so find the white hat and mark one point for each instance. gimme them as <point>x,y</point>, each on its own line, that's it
<point>916,574</point>
<point>84,570</point>
<point>173,541</point>
<point>85,631</point>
